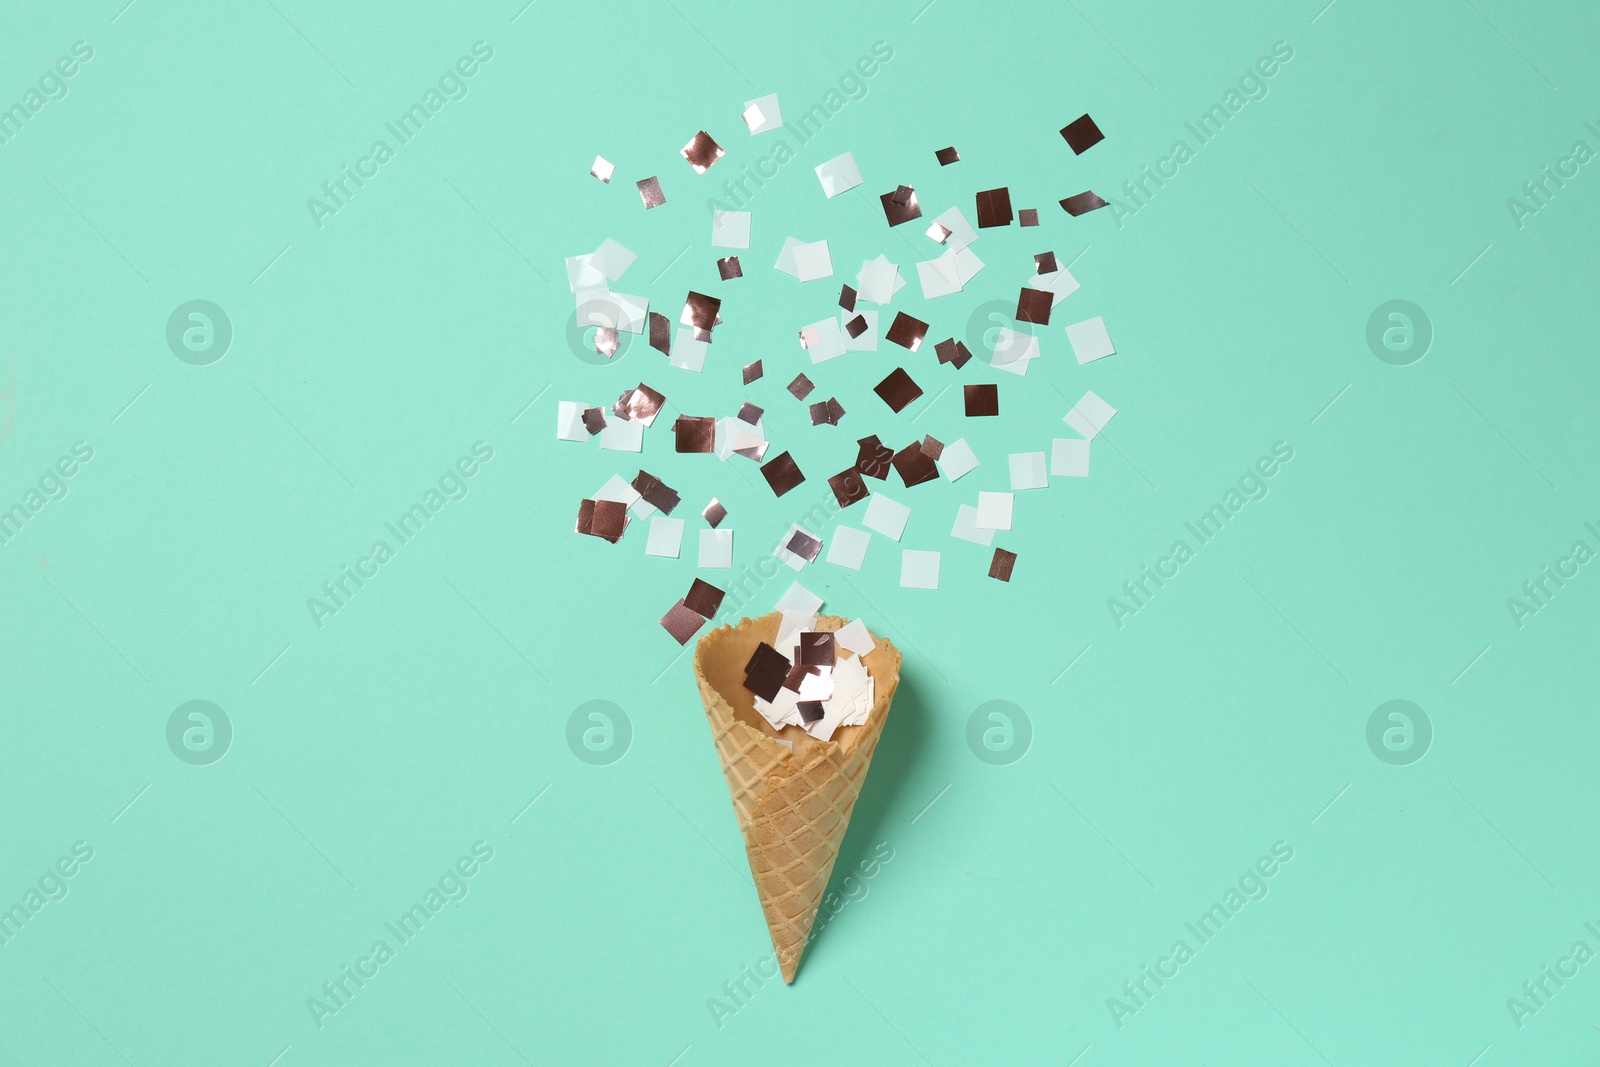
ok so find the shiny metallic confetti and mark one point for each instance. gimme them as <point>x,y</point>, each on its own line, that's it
<point>1000,566</point>
<point>704,598</point>
<point>752,372</point>
<point>641,403</point>
<point>932,446</point>
<point>729,268</point>
<point>947,156</point>
<point>1033,305</point>
<point>848,487</point>
<point>847,298</point>
<point>1082,134</point>
<point>782,474</point>
<point>650,192</point>
<point>901,205</point>
<point>827,413</point>
<point>602,518</point>
<point>749,413</point>
<point>873,458</point>
<point>994,208</point>
<point>606,341</point>
<point>594,420</point>
<point>682,622</point>
<point>661,333</point>
<point>700,311</point>
<point>940,232</point>
<point>766,671</point>
<point>714,513</point>
<point>952,351</point>
<point>801,387</point>
<point>981,399</point>
<point>897,389</point>
<point>907,332</point>
<point>1082,204</point>
<point>655,492</point>
<point>856,326</point>
<point>817,649</point>
<point>701,152</point>
<point>914,465</point>
<point>804,545</point>
<point>603,169</point>
<point>695,433</point>
<point>1044,263</point>
<point>1028,216</point>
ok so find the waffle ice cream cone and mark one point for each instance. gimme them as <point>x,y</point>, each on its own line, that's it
<point>793,807</point>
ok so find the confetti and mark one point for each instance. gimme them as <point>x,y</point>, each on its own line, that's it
<point>947,156</point>
<point>1028,216</point>
<point>981,400</point>
<point>682,622</point>
<point>695,433</point>
<point>994,208</point>
<point>847,486</point>
<point>838,175</point>
<point>666,537</point>
<point>1090,340</point>
<point>799,600</point>
<point>801,387</point>
<point>1044,263</point>
<point>730,229</point>
<point>569,422</point>
<point>817,649</point>
<point>1028,471</point>
<point>650,192</point>
<point>803,545</point>
<point>763,115</point>
<point>914,465</point>
<point>886,516</point>
<point>847,298</point>
<point>704,598</point>
<point>897,390</point>
<point>603,169</point>
<point>1082,134</point>
<point>952,351</point>
<point>782,474</point>
<point>967,529</point>
<point>1000,566</point>
<point>641,403</point>
<point>1082,204</point>
<point>827,413</point>
<point>848,548</point>
<point>957,459</point>
<point>729,268</point>
<point>752,372</point>
<point>918,569</point>
<point>661,333</point>
<point>716,549</point>
<point>1089,415</point>
<point>901,205</point>
<point>873,457</point>
<point>701,152</point>
<point>603,518</point>
<point>1033,305</point>
<point>656,492</point>
<point>994,511</point>
<point>714,513</point>
<point>906,331</point>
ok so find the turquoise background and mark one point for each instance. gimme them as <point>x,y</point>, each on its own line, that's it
<point>1228,714</point>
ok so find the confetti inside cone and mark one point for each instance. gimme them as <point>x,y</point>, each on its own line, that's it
<point>793,808</point>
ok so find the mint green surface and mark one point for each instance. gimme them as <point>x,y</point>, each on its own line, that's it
<point>1228,715</point>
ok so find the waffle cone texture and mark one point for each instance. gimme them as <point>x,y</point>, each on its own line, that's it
<point>793,808</point>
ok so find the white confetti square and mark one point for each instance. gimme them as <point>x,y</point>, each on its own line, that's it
<point>853,636</point>
<point>848,548</point>
<point>1069,457</point>
<point>613,259</point>
<point>1090,415</point>
<point>1013,350</point>
<point>1090,340</point>
<point>716,549</point>
<point>799,600</point>
<point>569,422</point>
<point>730,229</point>
<point>812,261</point>
<point>957,459</point>
<point>1028,471</point>
<point>966,527</point>
<point>666,537</point>
<point>838,175</point>
<point>622,435</point>
<point>919,570</point>
<point>994,511</point>
<point>823,340</point>
<point>763,115</point>
<point>885,516</point>
<point>687,352</point>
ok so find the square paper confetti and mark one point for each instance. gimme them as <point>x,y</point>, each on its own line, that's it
<point>1028,471</point>
<point>1090,341</point>
<point>848,547</point>
<point>919,570</point>
<point>666,537</point>
<point>994,511</point>
<point>1069,457</point>
<point>889,517</point>
<point>716,549</point>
